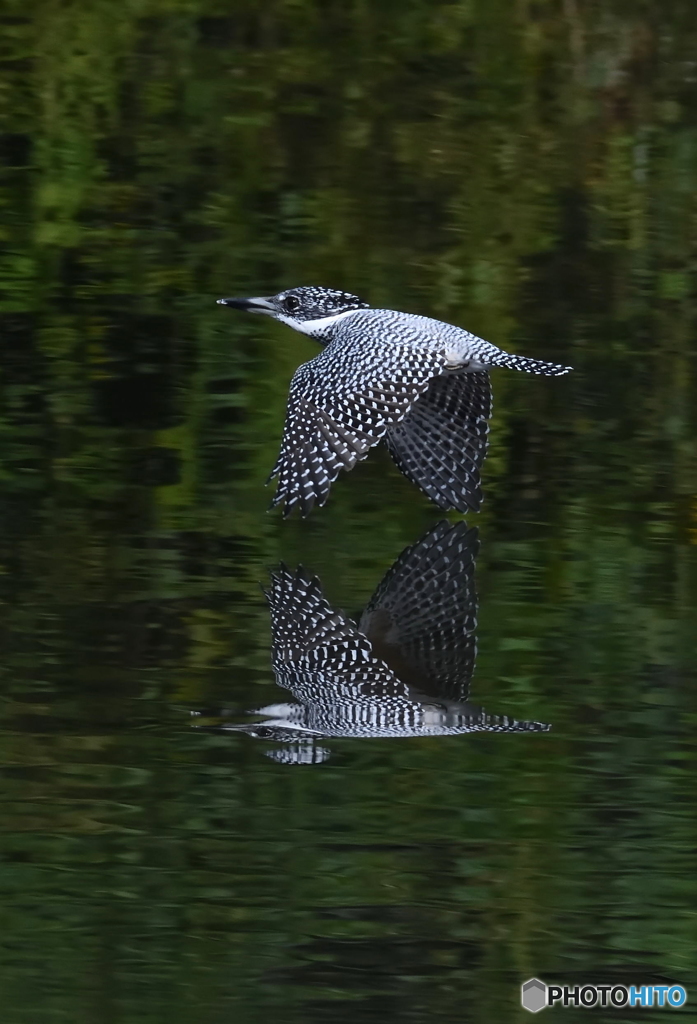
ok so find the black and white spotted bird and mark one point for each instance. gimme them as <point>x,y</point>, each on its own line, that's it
<point>401,669</point>
<point>421,384</point>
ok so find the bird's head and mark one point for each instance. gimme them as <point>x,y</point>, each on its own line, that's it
<point>312,311</point>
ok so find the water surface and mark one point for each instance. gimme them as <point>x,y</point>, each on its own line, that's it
<point>529,173</point>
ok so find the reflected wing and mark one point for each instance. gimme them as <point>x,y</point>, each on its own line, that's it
<point>318,653</point>
<point>424,611</point>
<point>441,442</point>
<point>340,404</point>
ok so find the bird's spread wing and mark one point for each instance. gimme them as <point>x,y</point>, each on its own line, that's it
<point>318,653</point>
<point>424,610</point>
<point>441,442</point>
<point>340,405</point>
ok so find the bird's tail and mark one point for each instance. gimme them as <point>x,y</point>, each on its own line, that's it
<point>529,365</point>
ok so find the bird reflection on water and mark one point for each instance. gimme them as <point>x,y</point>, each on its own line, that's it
<point>402,670</point>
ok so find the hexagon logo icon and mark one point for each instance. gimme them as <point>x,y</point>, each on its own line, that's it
<point>533,995</point>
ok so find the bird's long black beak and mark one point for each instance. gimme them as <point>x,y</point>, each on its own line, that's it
<point>253,305</point>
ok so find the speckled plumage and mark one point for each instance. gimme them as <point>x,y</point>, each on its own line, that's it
<point>418,383</point>
<point>441,442</point>
<point>403,671</point>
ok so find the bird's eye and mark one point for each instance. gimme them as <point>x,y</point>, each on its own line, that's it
<point>291,304</point>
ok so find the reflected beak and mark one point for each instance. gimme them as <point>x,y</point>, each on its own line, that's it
<point>258,305</point>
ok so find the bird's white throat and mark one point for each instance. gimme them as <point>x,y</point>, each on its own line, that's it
<point>314,327</point>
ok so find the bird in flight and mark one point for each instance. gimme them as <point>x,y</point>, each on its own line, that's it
<point>420,384</point>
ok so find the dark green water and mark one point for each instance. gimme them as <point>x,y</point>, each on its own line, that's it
<point>528,171</point>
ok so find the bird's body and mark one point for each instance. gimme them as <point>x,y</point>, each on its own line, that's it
<point>421,384</point>
<point>395,331</point>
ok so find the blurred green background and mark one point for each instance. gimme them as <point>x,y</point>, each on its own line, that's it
<point>527,170</point>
